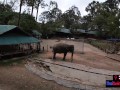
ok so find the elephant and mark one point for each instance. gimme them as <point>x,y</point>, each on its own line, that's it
<point>63,48</point>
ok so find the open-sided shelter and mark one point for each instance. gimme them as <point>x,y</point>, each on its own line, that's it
<point>15,41</point>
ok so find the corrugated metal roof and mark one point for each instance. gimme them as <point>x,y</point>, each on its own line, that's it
<point>14,38</point>
<point>17,39</point>
<point>87,32</point>
<point>6,28</point>
<point>64,30</point>
<point>92,32</point>
<point>81,30</point>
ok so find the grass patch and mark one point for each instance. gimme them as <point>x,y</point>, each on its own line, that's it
<point>12,61</point>
<point>105,46</point>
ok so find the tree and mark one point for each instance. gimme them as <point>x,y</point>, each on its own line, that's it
<point>93,8</point>
<point>6,13</point>
<point>71,16</point>
<point>27,23</point>
<point>104,17</point>
<point>19,17</point>
<point>31,3</point>
<point>112,4</point>
<point>51,19</point>
<point>12,3</point>
<point>4,2</point>
<point>52,14</point>
<point>38,4</point>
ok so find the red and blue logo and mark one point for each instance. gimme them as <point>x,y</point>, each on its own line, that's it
<point>113,83</point>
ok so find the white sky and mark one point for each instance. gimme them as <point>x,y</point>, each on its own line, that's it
<point>81,4</point>
<point>65,5</point>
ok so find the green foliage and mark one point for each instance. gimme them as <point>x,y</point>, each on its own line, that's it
<point>27,22</point>
<point>5,13</point>
<point>71,17</point>
<point>104,18</point>
<point>54,18</point>
<point>7,16</point>
<point>51,15</point>
<point>106,46</point>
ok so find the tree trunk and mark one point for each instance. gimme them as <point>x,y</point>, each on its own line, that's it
<point>20,13</point>
<point>37,12</point>
<point>32,7</point>
<point>32,10</point>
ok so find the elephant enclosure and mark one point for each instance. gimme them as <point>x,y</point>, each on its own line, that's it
<point>92,56</point>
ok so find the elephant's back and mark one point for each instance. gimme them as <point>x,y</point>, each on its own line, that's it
<point>61,45</point>
<point>60,48</point>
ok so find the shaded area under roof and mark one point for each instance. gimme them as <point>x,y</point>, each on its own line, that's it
<point>6,28</point>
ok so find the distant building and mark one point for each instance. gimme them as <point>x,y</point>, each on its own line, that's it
<point>85,33</point>
<point>63,32</point>
<point>36,34</point>
<point>14,41</point>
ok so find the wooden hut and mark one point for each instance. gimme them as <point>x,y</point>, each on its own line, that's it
<point>14,41</point>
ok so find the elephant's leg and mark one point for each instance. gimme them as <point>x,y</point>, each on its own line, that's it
<point>64,56</point>
<point>54,56</point>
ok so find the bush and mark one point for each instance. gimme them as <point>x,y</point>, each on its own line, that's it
<point>105,46</point>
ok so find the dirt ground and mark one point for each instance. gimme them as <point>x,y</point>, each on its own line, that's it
<point>17,77</point>
<point>92,56</point>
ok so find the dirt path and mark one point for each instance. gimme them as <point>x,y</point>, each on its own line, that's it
<point>19,78</point>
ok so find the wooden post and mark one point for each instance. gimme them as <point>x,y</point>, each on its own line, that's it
<point>38,46</point>
<point>43,48</point>
<point>82,47</point>
<point>47,48</point>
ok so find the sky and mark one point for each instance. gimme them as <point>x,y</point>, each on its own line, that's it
<point>81,4</point>
<point>65,5</point>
